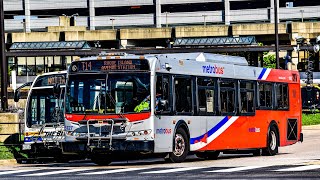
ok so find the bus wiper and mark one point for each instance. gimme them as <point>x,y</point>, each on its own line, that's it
<point>114,103</point>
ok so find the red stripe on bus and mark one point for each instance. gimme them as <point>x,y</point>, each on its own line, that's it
<point>131,117</point>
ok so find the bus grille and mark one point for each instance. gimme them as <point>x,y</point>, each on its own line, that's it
<point>292,129</point>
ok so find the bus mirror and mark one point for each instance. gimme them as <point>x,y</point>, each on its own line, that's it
<point>16,96</point>
<point>163,105</point>
<point>56,89</point>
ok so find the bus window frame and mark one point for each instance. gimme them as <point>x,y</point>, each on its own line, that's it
<point>288,96</point>
<point>254,90</point>
<point>170,89</point>
<point>235,96</point>
<point>272,96</point>
<point>215,93</point>
<point>174,77</point>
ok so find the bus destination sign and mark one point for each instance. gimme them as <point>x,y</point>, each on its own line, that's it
<point>51,80</point>
<point>110,65</point>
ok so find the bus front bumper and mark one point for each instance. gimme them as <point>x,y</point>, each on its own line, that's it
<point>103,146</point>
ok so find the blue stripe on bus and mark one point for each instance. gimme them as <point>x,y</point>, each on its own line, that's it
<point>262,73</point>
<point>32,139</point>
<point>210,132</point>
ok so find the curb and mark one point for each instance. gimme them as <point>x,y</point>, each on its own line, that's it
<point>314,163</point>
<point>311,127</point>
<point>6,162</point>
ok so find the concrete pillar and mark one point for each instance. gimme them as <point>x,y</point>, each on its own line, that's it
<point>27,14</point>
<point>294,60</point>
<point>123,43</point>
<point>157,15</point>
<point>272,11</point>
<point>227,12</point>
<point>92,14</point>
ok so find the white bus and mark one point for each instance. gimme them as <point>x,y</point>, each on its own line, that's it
<point>43,117</point>
<point>173,104</point>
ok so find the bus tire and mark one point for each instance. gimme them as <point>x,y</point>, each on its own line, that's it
<point>180,146</point>
<point>272,142</point>
<point>101,159</point>
<point>211,155</point>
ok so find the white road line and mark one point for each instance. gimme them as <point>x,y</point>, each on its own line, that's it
<point>17,171</point>
<point>300,168</point>
<point>57,171</point>
<point>237,169</point>
<point>173,170</point>
<point>113,171</point>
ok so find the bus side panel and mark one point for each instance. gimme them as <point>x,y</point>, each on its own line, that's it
<point>243,132</point>
<point>165,128</point>
<point>251,131</point>
<point>163,134</point>
<point>295,113</point>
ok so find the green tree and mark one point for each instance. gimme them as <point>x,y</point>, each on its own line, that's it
<point>269,60</point>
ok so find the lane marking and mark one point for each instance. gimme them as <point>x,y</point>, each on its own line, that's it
<point>173,170</point>
<point>55,172</point>
<point>17,171</point>
<point>300,168</point>
<point>113,171</point>
<point>237,169</point>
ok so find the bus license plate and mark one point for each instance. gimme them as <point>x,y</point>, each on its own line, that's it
<point>26,146</point>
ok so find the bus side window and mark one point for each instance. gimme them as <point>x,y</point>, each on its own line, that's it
<point>265,95</point>
<point>163,94</point>
<point>183,95</point>
<point>282,96</point>
<point>247,97</point>
<point>227,97</point>
<point>206,100</point>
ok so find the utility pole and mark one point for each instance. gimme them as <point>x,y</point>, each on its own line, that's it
<point>302,11</point>
<point>166,18</point>
<point>276,32</point>
<point>4,63</point>
<point>112,19</point>
<point>204,20</point>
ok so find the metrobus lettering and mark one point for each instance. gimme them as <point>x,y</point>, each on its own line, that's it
<point>213,69</point>
<point>163,131</point>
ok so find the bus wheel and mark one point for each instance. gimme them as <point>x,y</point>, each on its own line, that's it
<point>212,155</point>
<point>101,159</point>
<point>181,146</point>
<point>272,142</point>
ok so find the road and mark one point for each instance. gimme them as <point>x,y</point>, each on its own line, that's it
<point>301,160</point>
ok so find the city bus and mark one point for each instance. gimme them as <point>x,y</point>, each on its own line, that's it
<point>176,104</point>
<point>43,117</point>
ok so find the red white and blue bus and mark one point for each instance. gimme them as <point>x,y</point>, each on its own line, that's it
<point>176,104</point>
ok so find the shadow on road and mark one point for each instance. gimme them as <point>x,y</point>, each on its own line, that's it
<point>144,161</point>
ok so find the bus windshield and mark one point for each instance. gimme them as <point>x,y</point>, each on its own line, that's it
<point>44,108</point>
<point>111,93</point>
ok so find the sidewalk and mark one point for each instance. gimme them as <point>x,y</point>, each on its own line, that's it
<point>7,162</point>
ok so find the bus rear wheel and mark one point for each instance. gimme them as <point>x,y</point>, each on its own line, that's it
<point>272,142</point>
<point>101,159</point>
<point>181,147</point>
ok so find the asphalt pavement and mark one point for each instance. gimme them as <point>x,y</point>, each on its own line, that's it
<point>298,161</point>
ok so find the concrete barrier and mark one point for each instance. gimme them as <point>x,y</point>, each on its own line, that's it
<point>9,127</point>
